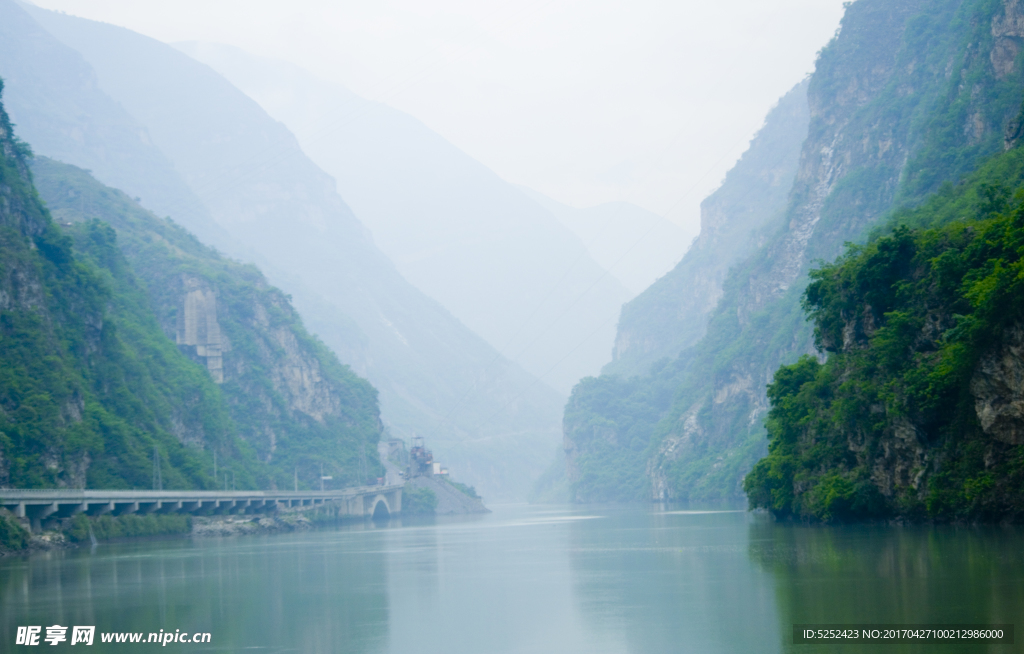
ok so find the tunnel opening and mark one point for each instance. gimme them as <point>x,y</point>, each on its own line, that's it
<point>380,511</point>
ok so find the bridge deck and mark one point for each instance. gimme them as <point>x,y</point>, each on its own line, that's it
<point>50,504</point>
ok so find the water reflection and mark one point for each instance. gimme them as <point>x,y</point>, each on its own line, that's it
<point>673,581</point>
<point>883,574</point>
<point>285,593</point>
<point>494,584</point>
<point>599,580</point>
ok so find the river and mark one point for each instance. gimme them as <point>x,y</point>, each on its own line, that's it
<point>527,579</point>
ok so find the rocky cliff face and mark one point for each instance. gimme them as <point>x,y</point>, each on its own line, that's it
<point>294,380</point>
<point>909,95</point>
<point>673,313</point>
<point>998,389</point>
<point>198,326</point>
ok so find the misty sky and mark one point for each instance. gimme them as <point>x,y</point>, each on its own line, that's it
<point>649,101</point>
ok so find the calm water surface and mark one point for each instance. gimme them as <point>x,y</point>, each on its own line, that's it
<point>528,579</point>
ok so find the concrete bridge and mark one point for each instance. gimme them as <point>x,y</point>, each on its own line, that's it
<point>47,505</point>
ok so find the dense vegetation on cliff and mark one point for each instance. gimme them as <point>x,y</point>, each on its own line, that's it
<point>909,96</point>
<point>916,411</point>
<point>81,392</point>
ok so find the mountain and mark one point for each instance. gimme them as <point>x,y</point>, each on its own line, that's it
<point>492,423</point>
<point>635,245</point>
<point>53,97</point>
<point>93,390</point>
<point>672,314</point>
<point>289,399</point>
<point>497,259</point>
<point>917,412</point>
<point>75,387</point>
<point>908,96</point>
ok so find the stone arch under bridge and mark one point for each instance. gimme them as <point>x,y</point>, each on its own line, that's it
<point>381,510</point>
<point>383,504</point>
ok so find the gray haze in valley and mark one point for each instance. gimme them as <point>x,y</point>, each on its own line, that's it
<point>499,260</point>
<point>192,146</point>
<point>635,245</point>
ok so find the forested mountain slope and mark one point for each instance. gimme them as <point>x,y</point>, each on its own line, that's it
<point>92,392</point>
<point>919,409</point>
<point>495,258</point>
<point>492,423</point>
<point>907,96</point>
<point>75,390</point>
<point>288,397</point>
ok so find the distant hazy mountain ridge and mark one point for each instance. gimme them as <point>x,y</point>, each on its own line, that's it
<point>495,258</point>
<point>54,97</point>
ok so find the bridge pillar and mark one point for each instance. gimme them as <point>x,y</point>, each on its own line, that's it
<point>39,512</point>
<point>168,507</point>
<point>121,508</point>
<point>68,510</point>
<point>100,508</point>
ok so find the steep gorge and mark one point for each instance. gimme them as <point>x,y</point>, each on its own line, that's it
<point>909,95</point>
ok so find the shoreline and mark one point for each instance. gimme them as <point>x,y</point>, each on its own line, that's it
<point>200,527</point>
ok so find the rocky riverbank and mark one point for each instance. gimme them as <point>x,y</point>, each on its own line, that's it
<point>451,500</point>
<point>15,537</point>
<point>243,525</point>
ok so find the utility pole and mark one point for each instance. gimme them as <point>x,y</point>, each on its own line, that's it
<point>215,466</point>
<point>323,476</point>
<point>158,481</point>
<point>296,479</point>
